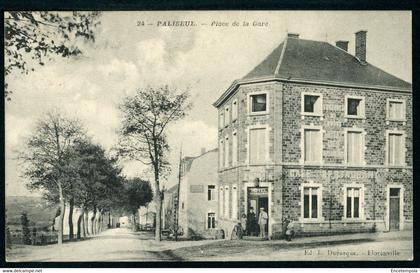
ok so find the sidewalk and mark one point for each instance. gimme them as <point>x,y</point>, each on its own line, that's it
<point>294,250</point>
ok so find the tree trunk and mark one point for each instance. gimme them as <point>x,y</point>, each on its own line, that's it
<point>134,222</point>
<point>86,224</point>
<point>158,202</point>
<point>61,217</point>
<point>92,226</point>
<point>80,222</point>
<point>97,222</point>
<point>71,232</point>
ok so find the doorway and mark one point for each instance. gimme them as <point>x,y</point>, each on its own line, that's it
<point>258,198</point>
<point>394,208</point>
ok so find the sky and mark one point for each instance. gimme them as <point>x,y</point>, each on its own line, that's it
<point>204,58</point>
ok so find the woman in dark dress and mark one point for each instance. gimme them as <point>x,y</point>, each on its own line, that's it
<point>251,222</point>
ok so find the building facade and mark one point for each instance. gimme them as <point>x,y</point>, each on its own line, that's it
<point>198,209</point>
<point>318,137</point>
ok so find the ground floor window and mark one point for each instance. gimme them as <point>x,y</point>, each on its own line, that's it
<point>353,196</point>
<point>211,220</point>
<point>310,202</point>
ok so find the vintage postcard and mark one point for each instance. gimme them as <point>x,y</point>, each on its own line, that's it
<point>182,136</point>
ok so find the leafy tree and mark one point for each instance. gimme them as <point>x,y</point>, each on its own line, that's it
<point>34,37</point>
<point>25,228</point>
<point>97,180</point>
<point>146,116</point>
<point>138,193</point>
<point>46,158</point>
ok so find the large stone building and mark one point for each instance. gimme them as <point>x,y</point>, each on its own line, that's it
<point>319,137</point>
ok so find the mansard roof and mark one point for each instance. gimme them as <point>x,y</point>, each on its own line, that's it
<point>298,59</point>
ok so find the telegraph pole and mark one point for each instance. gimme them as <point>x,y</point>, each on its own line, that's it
<point>177,197</point>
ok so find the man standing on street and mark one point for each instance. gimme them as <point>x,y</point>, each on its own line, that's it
<point>262,221</point>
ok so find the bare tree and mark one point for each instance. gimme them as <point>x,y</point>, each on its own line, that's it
<point>45,155</point>
<point>146,115</point>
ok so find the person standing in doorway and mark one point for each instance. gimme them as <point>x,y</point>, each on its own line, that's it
<point>251,222</point>
<point>262,221</point>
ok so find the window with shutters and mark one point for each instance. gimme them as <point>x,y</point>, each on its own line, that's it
<point>312,145</point>
<point>221,121</point>
<point>396,110</point>
<point>258,103</point>
<point>227,152</point>
<point>234,110</point>
<point>311,104</point>
<point>354,107</point>
<point>353,202</point>
<point>221,154</point>
<point>234,148</point>
<point>227,116</point>
<point>221,201</point>
<point>311,202</point>
<point>226,202</point>
<point>257,145</point>
<point>211,220</point>
<point>211,192</point>
<point>354,146</point>
<point>234,203</point>
<point>396,148</point>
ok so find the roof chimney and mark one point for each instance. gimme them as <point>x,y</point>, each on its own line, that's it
<point>361,45</point>
<point>203,150</point>
<point>342,44</point>
<point>293,35</point>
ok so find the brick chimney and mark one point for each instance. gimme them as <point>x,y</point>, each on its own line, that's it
<point>342,44</point>
<point>203,150</point>
<point>293,35</point>
<point>361,46</point>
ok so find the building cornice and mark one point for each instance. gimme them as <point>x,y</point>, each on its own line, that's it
<point>232,88</point>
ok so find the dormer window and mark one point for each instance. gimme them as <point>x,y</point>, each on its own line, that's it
<point>258,103</point>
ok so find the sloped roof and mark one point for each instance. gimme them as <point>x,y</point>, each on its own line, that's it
<point>298,59</point>
<point>321,61</point>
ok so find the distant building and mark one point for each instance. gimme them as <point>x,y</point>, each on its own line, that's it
<point>198,208</point>
<point>147,215</point>
<point>319,137</point>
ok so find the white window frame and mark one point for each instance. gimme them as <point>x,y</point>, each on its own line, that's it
<point>227,151</point>
<point>226,202</point>
<point>363,143</point>
<point>221,201</point>
<point>227,116</point>
<point>311,184</point>
<point>213,195</point>
<point>221,119</point>
<point>361,115</point>
<point>400,132</point>
<point>207,220</point>
<point>361,188</point>
<point>267,143</point>
<point>303,113</point>
<point>302,144</point>
<point>250,112</point>
<point>234,202</point>
<point>388,102</point>
<point>222,154</point>
<point>234,148</point>
<point>235,110</point>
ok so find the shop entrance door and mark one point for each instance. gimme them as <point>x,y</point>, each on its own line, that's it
<point>258,198</point>
<point>394,208</point>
